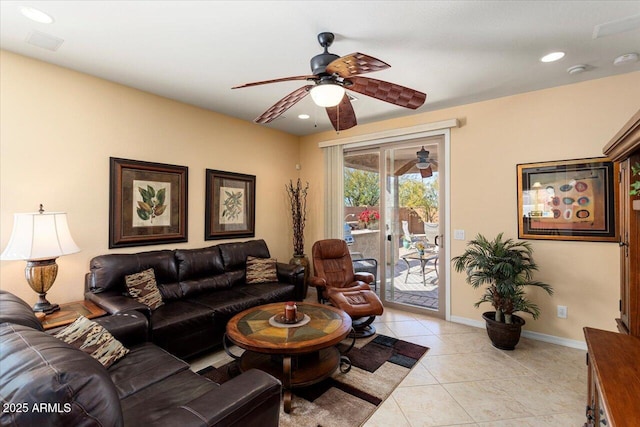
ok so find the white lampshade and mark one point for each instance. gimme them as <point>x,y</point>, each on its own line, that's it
<point>327,94</point>
<point>39,236</point>
<point>423,164</point>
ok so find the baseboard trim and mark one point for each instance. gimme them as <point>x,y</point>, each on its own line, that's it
<point>580,345</point>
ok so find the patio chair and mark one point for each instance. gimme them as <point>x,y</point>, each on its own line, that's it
<point>407,235</point>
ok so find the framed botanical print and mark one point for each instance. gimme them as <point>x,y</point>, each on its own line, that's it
<point>567,200</point>
<point>230,205</point>
<point>147,203</point>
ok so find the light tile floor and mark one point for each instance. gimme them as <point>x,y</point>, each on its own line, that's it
<point>464,381</point>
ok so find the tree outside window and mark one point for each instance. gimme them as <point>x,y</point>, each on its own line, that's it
<point>361,188</point>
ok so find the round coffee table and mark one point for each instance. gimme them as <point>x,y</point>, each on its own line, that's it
<point>297,355</point>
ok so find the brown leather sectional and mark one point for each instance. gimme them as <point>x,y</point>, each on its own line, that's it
<point>46,382</point>
<point>201,289</point>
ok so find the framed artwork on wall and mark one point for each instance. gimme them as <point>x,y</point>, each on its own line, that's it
<point>230,205</point>
<point>147,203</point>
<point>567,200</point>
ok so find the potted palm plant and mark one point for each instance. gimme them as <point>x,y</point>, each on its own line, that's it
<point>506,268</point>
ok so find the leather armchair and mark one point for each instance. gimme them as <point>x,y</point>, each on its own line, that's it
<point>336,282</point>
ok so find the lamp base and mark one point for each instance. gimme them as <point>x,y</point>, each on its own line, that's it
<point>44,306</point>
<point>40,275</point>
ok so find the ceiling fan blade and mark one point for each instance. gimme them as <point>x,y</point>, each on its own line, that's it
<point>406,167</point>
<point>426,173</point>
<point>389,92</point>
<point>342,115</point>
<point>354,64</point>
<point>284,79</point>
<point>283,105</point>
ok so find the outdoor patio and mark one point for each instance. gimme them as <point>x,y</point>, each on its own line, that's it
<point>409,288</point>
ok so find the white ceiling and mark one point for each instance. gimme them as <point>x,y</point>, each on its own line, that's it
<point>455,51</point>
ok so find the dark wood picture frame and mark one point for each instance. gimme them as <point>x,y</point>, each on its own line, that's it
<point>147,203</point>
<point>230,205</point>
<point>568,200</point>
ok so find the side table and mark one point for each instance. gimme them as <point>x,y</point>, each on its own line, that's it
<point>69,312</point>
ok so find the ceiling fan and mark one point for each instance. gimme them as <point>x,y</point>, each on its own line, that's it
<point>331,76</point>
<point>422,162</point>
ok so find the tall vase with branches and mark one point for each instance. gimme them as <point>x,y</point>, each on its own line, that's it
<point>298,202</point>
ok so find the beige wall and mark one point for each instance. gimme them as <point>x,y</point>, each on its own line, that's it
<point>567,122</point>
<point>60,127</point>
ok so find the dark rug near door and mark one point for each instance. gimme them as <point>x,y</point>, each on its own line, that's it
<point>379,365</point>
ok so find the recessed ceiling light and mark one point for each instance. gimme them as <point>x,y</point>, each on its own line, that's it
<point>36,15</point>
<point>303,116</point>
<point>553,56</point>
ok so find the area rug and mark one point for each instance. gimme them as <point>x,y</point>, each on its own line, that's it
<point>379,364</point>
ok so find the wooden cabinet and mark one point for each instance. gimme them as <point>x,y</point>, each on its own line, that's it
<point>614,379</point>
<point>624,149</point>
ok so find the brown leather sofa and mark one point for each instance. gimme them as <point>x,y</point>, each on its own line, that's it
<point>201,289</point>
<point>46,382</point>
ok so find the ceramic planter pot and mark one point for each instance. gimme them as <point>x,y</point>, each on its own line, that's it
<point>502,335</point>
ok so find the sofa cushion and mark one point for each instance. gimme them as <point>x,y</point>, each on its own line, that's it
<point>191,288</point>
<point>227,302</point>
<point>183,328</point>
<point>149,406</point>
<point>261,270</point>
<point>142,287</point>
<point>108,271</point>
<point>234,255</point>
<point>269,292</point>
<point>15,310</point>
<point>195,264</point>
<point>37,368</point>
<point>146,364</point>
<point>93,339</point>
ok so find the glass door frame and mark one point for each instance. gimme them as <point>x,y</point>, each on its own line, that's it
<point>445,251</point>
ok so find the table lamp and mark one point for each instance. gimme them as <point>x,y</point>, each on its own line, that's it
<point>40,238</point>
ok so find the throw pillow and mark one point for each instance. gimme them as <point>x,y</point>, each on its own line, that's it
<point>142,286</point>
<point>93,339</point>
<point>261,270</point>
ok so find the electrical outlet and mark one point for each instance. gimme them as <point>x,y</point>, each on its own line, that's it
<point>458,234</point>
<point>562,311</point>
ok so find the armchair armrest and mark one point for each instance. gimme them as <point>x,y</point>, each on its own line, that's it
<point>113,302</point>
<point>293,274</point>
<point>364,277</point>
<point>250,400</point>
<point>318,282</point>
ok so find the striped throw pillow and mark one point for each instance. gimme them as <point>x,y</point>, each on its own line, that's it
<point>142,286</point>
<point>93,339</point>
<point>261,270</point>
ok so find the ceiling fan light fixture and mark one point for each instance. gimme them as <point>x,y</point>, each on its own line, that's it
<point>423,164</point>
<point>327,94</point>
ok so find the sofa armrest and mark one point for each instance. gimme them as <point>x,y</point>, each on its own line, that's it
<point>249,400</point>
<point>130,328</point>
<point>293,274</point>
<point>113,302</point>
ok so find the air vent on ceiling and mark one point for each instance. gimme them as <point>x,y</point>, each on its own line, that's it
<point>615,27</point>
<point>44,41</point>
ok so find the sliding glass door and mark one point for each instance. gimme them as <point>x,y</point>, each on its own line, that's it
<point>393,222</point>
